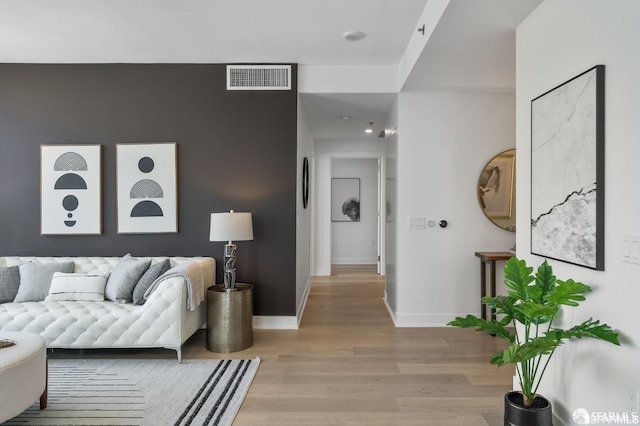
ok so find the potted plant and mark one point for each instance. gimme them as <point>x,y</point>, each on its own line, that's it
<point>525,320</point>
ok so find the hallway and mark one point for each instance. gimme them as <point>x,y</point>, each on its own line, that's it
<point>349,365</point>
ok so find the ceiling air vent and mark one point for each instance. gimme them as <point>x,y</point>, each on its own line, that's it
<point>258,77</point>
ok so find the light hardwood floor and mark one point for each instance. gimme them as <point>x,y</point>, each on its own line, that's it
<point>348,365</point>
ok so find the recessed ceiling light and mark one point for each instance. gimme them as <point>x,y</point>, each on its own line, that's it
<point>354,35</point>
<point>345,117</point>
<point>370,129</point>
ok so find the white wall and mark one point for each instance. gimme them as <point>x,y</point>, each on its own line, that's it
<point>559,40</point>
<point>303,216</point>
<point>444,141</point>
<point>347,79</point>
<point>357,242</point>
<point>391,207</point>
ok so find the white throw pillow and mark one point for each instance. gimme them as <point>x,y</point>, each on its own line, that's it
<point>89,287</point>
<point>35,279</point>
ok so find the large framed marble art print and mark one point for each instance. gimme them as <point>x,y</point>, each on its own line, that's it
<point>147,190</point>
<point>71,189</point>
<point>567,171</point>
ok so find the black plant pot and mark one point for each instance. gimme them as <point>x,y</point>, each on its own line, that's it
<point>516,414</point>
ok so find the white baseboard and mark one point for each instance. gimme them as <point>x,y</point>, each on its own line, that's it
<point>423,320</point>
<point>303,301</point>
<point>418,320</point>
<point>284,322</point>
<point>275,322</point>
<point>354,261</point>
<point>391,313</point>
<point>322,272</point>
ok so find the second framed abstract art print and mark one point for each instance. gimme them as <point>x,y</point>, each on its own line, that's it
<point>147,188</point>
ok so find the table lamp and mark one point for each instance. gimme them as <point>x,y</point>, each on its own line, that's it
<point>230,227</point>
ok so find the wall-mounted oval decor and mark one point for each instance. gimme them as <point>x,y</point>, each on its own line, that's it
<point>497,190</point>
<point>305,182</point>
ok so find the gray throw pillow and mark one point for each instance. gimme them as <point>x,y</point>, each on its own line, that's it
<point>147,279</point>
<point>35,279</point>
<point>9,283</point>
<point>124,278</point>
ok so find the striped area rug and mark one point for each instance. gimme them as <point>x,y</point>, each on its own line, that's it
<point>143,392</point>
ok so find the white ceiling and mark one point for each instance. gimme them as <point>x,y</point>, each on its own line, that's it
<point>206,31</point>
<point>325,112</point>
<point>472,47</point>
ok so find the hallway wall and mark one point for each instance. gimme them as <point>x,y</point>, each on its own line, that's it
<point>444,140</point>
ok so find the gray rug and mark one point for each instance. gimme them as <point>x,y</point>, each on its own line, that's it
<point>143,392</point>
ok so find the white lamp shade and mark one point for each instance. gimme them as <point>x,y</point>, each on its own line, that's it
<point>231,226</point>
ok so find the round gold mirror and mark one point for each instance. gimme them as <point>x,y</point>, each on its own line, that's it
<point>497,190</point>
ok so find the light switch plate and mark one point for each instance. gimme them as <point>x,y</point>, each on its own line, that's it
<point>417,222</point>
<point>631,249</point>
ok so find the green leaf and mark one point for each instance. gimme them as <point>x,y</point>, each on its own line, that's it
<point>567,292</point>
<point>509,354</point>
<point>504,305</point>
<point>537,313</point>
<point>517,277</point>
<point>545,280</point>
<point>504,357</point>
<point>490,327</point>
<point>536,347</point>
<point>498,359</point>
<point>593,329</point>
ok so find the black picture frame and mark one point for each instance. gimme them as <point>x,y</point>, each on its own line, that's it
<point>567,171</point>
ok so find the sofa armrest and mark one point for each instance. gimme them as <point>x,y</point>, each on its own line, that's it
<point>170,290</point>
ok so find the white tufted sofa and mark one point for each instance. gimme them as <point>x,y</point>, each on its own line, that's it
<point>164,320</point>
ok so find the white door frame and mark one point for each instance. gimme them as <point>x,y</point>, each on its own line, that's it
<point>321,237</point>
<point>382,214</point>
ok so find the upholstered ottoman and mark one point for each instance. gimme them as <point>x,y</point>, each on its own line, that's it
<point>23,373</point>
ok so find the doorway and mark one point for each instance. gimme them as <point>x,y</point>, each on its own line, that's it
<point>349,242</point>
<point>354,239</point>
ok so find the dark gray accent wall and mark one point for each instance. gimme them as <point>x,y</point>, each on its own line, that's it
<point>236,150</point>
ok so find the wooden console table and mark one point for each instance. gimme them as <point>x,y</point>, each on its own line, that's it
<point>489,257</point>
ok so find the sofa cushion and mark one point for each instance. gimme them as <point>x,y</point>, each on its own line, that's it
<point>35,279</point>
<point>147,279</point>
<point>89,287</point>
<point>124,278</point>
<point>9,283</point>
